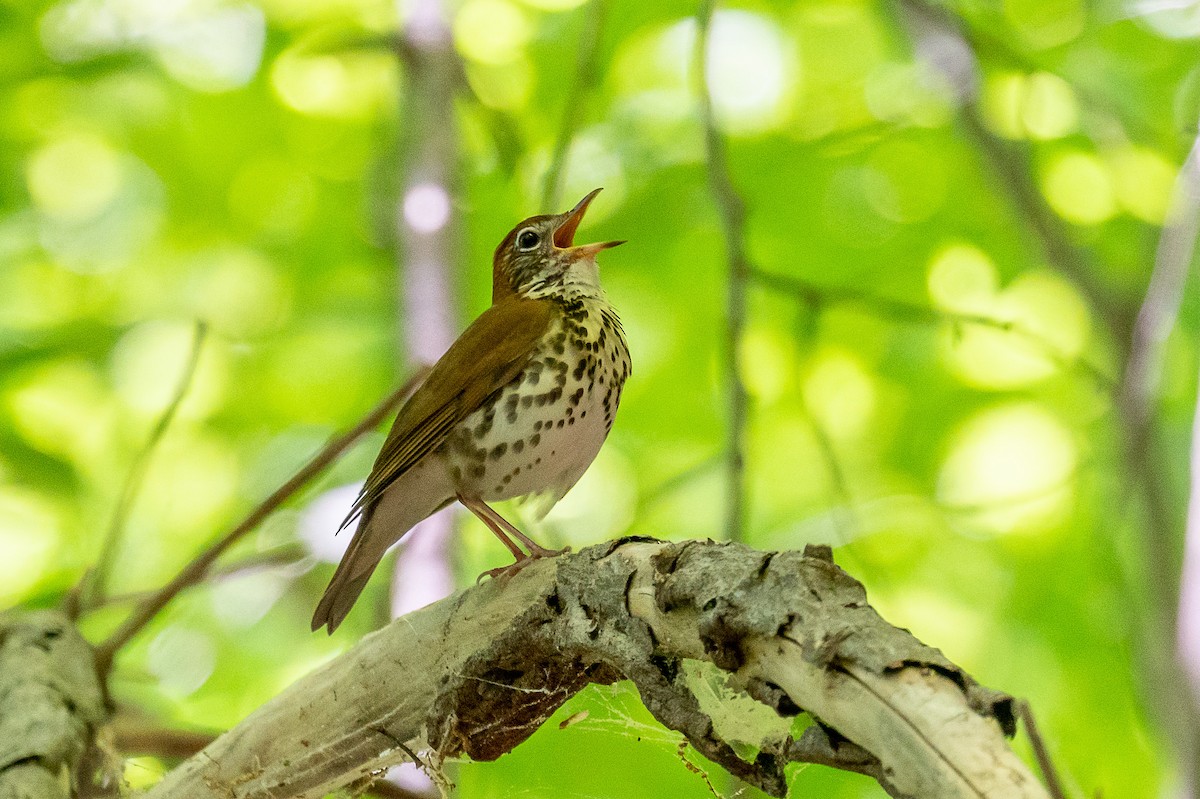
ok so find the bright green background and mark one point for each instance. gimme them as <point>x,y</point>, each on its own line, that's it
<point>237,163</point>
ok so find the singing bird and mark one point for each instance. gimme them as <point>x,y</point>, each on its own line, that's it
<point>519,405</point>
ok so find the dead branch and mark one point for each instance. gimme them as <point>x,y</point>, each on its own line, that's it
<point>477,673</point>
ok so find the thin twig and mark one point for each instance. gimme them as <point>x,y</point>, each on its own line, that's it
<point>732,212</point>
<point>97,587</point>
<point>1040,751</point>
<point>586,53</point>
<point>939,40</point>
<point>816,295</point>
<point>288,555</point>
<point>195,571</point>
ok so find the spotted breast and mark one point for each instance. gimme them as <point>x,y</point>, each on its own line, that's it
<point>539,433</point>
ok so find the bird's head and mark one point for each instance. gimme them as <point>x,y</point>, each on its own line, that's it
<point>539,255</point>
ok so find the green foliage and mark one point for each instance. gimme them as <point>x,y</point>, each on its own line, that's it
<point>239,163</point>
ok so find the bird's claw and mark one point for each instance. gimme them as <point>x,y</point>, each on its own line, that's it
<point>536,553</point>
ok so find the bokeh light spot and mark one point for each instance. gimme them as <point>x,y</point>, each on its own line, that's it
<point>1009,469</point>
<point>768,363</point>
<point>962,278</point>
<point>839,393</point>
<point>148,361</point>
<point>182,659</point>
<point>426,207</point>
<point>1079,188</point>
<point>491,31</point>
<point>29,539</point>
<point>1037,106</point>
<point>74,177</point>
<point>351,86</point>
<point>1145,183</point>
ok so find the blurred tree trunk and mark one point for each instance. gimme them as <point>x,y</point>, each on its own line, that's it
<point>428,230</point>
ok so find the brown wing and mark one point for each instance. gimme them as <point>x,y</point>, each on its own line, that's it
<point>485,358</point>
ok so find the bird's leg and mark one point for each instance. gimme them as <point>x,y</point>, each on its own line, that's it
<point>503,528</point>
<point>535,550</point>
<point>489,517</point>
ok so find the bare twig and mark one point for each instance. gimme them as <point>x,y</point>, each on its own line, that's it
<point>573,107</point>
<point>938,38</point>
<point>195,570</point>
<point>1040,751</point>
<point>93,587</point>
<point>290,557</point>
<point>816,295</point>
<point>732,212</point>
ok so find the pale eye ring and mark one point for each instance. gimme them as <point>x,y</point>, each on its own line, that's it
<point>528,239</point>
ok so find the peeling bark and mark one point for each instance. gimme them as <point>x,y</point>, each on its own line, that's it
<point>477,673</point>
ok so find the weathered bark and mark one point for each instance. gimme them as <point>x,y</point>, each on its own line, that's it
<point>477,673</point>
<point>50,703</point>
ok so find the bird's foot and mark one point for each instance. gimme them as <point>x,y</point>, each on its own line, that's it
<point>536,553</point>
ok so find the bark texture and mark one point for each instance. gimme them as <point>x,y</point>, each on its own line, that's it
<point>50,704</point>
<point>477,673</point>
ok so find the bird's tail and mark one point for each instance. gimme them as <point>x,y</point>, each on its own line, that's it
<point>348,581</point>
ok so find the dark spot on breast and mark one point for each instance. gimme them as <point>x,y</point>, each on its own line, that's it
<point>580,368</point>
<point>512,417</point>
<point>560,423</point>
<point>526,401</point>
<point>537,425</point>
<point>570,421</point>
<point>499,450</point>
<point>535,439</point>
<point>577,396</point>
<point>518,446</point>
<point>478,471</point>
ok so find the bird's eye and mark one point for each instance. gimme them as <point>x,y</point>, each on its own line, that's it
<point>528,240</point>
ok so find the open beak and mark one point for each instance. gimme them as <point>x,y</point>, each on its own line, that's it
<point>564,234</point>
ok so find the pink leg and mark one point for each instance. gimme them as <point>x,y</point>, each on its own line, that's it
<point>503,528</point>
<point>488,517</point>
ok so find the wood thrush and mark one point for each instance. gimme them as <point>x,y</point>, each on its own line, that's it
<point>519,405</point>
